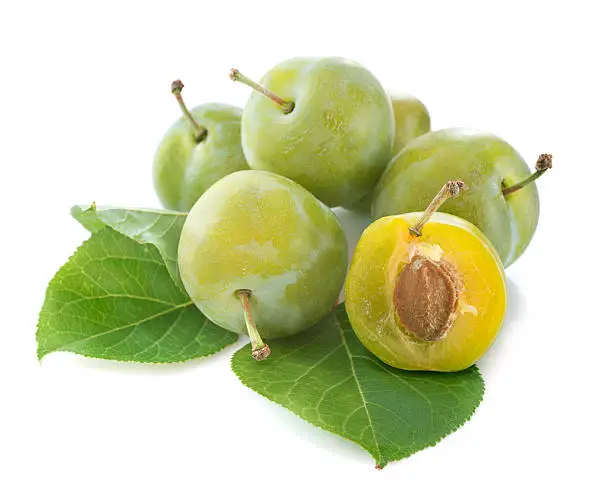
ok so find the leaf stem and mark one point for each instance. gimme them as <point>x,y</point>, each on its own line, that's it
<point>287,106</point>
<point>260,350</point>
<point>200,132</point>
<point>451,189</point>
<point>543,163</point>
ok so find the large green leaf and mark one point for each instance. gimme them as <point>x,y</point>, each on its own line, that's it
<point>161,228</point>
<point>328,378</point>
<point>114,299</point>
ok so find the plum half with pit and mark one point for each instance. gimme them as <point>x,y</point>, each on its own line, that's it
<point>426,291</point>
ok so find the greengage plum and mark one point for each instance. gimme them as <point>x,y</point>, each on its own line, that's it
<point>260,254</point>
<point>326,123</point>
<point>502,201</point>
<point>411,120</point>
<point>199,149</point>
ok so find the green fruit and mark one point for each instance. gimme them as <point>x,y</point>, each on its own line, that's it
<point>262,235</point>
<point>488,165</point>
<point>326,123</point>
<point>411,120</point>
<point>198,150</point>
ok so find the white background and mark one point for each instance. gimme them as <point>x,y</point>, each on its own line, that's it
<point>84,94</point>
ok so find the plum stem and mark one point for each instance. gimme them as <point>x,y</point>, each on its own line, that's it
<point>200,132</point>
<point>543,163</point>
<point>286,106</point>
<point>451,189</point>
<point>260,350</point>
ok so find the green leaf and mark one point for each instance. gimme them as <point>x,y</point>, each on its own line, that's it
<point>328,378</point>
<point>161,228</point>
<point>115,300</point>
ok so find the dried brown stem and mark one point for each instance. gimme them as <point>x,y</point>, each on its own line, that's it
<point>199,131</point>
<point>451,189</point>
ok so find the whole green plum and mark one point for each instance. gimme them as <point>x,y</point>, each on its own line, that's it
<point>502,201</point>
<point>326,123</point>
<point>199,149</point>
<point>260,254</point>
<point>411,120</point>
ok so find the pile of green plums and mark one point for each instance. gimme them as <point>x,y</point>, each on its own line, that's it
<point>261,251</point>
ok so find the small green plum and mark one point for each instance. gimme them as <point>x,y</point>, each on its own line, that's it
<point>199,149</point>
<point>411,120</point>
<point>326,123</point>
<point>260,254</point>
<point>502,200</point>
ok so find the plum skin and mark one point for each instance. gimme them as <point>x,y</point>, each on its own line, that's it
<point>259,231</point>
<point>411,120</point>
<point>183,169</point>
<point>486,164</point>
<point>337,140</point>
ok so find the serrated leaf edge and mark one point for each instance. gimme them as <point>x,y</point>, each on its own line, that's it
<point>380,461</point>
<point>41,355</point>
<point>95,208</point>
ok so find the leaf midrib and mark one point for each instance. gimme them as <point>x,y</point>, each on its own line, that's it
<point>119,328</point>
<point>363,400</point>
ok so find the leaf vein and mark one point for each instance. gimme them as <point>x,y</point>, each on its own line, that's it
<point>127,326</point>
<point>359,389</point>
